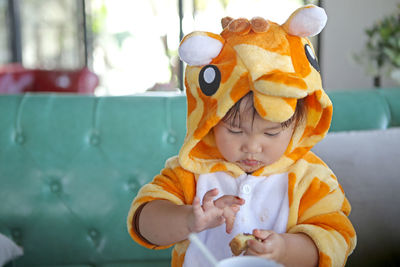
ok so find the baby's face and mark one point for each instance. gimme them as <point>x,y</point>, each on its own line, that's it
<point>253,144</point>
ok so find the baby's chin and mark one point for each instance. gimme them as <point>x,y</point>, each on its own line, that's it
<point>250,169</point>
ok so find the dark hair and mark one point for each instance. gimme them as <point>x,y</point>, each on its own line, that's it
<point>234,112</point>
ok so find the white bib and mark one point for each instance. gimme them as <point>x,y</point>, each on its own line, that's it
<point>266,207</point>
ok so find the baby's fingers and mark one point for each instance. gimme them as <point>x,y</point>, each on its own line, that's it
<point>262,234</point>
<point>258,248</point>
<point>272,247</point>
<point>197,210</point>
<point>229,200</point>
<point>229,221</point>
<point>230,215</point>
<point>208,199</point>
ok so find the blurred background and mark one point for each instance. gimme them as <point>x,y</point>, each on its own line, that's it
<point>132,45</point>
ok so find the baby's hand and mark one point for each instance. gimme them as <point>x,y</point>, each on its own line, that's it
<point>270,245</point>
<point>214,213</point>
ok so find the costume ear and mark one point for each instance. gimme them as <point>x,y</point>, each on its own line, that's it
<point>306,21</point>
<point>199,48</point>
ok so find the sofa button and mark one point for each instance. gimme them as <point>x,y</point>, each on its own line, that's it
<point>93,233</point>
<point>55,187</point>
<point>171,139</point>
<point>16,233</point>
<point>19,138</point>
<point>95,139</point>
<point>133,185</point>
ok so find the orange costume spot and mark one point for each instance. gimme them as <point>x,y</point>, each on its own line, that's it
<point>259,107</point>
<point>316,113</point>
<point>318,94</point>
<point>292,183</point>
<point>298,152</point>
<point>188,184</point>
<point>312,158</point>
<point>204,151</point>
<point>315,192</point>
<point>325,121</point>
<point>226,61</point>
<point>299,58</point>
<point>218,167</point>
<point>346,208</point>
<point>179,182</point>
<point>177,260</point>
<point>145,199</point>
<point>240,89</point>
<point>191,101</point>
<point>284,78</point>
<point>292,102</point>
<point>259,172</point>
<point>208,119</point>
<point>334,221</point>
<point>324,260</point>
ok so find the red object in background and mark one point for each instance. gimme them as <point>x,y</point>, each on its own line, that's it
<point>15,79</point>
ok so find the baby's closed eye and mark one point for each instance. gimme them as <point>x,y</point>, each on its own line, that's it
<point>272,133</point>
<point>235,131</point>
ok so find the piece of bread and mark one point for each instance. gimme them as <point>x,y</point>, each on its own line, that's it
<point>239,243</point>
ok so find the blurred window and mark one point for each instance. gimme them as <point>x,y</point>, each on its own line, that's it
<point>135,45</point>
<point>131,44</point>
<point>4,45</point>
<point>52,34</point>
<point>207,14</point>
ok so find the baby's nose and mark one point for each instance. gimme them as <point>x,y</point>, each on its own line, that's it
<point>252,146</point>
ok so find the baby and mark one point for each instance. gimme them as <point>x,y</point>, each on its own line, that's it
<point>255,109</point>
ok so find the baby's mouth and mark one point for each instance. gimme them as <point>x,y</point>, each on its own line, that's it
<point>250,162</point>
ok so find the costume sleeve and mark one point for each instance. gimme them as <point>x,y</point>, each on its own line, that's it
<point>322,211</point>
<point>174,184</point>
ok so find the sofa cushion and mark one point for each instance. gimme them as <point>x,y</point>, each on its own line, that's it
<point>367,166</point>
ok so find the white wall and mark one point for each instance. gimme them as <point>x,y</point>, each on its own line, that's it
<point>344,35</point>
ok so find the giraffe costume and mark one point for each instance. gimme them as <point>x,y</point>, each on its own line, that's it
<point>296,194</point>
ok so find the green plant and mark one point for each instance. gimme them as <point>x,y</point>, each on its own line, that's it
<point>381,54</point>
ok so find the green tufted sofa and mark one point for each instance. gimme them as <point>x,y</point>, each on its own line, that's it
<point>70,166</point>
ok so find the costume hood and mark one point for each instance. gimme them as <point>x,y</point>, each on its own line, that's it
<point>276,62</point>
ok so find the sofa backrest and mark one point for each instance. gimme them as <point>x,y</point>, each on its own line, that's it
<point>365,110</point>
<point>70,165</point>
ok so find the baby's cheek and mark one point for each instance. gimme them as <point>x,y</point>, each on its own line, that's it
<point>271,155</point>
<point>229,149</point>
<point>282,143</point>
